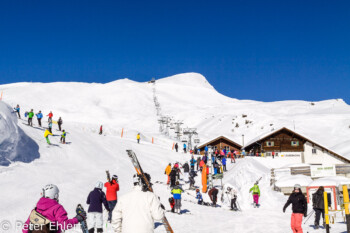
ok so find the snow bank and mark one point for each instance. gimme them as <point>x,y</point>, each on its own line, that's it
<point>15,145</point>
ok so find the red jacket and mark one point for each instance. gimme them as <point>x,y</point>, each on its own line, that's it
<point>112,189</point>
<point>50,115</point>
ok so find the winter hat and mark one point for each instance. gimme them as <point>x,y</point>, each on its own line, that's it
<point>99,185</point>
<point>297,186</point>
<point>115,177</point>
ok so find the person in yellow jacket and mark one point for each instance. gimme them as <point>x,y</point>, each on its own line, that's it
<point>167,172</point>
<point>138,137</point>
<point>46,135</point>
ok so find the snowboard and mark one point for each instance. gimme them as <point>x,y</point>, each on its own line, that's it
<point>83,224</point>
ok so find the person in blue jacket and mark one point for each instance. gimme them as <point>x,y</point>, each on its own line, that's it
<point>192,162</point>
<point>206,150</point>
<point>185,148</point>
<point>39,115</point>
<point>17,109</point>
<point>95,200</point>
<point>224,163</point>
<point>199,197</point>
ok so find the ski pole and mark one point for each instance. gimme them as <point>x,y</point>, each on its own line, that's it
<point>309,215</point>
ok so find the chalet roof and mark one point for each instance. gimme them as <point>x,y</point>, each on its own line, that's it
<point>217,138</point>
<point>262,137</point>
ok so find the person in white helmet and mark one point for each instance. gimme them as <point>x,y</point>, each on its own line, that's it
<point>137,210</point>
<point>95,200</point>
<point>53,215</point>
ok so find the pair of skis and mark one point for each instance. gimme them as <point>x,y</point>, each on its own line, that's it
<point>140,172</point>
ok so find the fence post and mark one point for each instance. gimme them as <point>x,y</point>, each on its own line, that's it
<point>122,132</point>
<point>346,207</point>
<point>326,211</point>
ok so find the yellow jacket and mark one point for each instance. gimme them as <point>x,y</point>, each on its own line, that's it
<point>47,133</point>
<point>138,136</point>
<point>168,170</point>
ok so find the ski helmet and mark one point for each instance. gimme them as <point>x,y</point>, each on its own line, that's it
<point>229,188</point>
<point>51,191</point>
<point>297,186</point>
<point>115,177</point>
<point>99,185</point>
<point>137,180</point>
<point>197,190</point>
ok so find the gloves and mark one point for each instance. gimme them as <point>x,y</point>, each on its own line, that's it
<point>284,210</point>
<point>81,217</point>
<point>305,214</point>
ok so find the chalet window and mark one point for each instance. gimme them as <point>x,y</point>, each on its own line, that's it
<point>314,151</point>
<point>295,143</point>
<point>269,144</point>
<point>227,148</point>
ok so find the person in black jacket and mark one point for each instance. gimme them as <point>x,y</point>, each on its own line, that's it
<point>176,147</point>
<point>95,200</point>
<point>172,177</point>
<point>299,207</point>
<point>318,205</point>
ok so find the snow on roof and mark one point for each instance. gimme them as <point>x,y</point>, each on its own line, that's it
<point>330,181</point>
<point>214,138</point>
<point>291,180</point>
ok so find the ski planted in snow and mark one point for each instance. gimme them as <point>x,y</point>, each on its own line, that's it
<point>139,171</point>
<point>83,224</point>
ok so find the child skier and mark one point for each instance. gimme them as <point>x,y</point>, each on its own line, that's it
<point>199,197</point>
<point>95,200</point>
<point>46,135</point>
<point>39,116</point>
<point>172,204</point>
<point>63,137</point>
<point>176,191</point>
<point>256,194</point>
<point>53,212</point>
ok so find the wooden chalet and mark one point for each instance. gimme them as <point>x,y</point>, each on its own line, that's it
<point>221,143</point>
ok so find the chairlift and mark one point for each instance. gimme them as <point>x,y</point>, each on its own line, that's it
<point>196,140</point>
<point>184,139</point>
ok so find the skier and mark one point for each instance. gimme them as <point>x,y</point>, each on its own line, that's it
<point>172,177</point>
<point>193,162</point>
<point>176,191</point>
<point>233,155</point>
<point>186,168</point>
<point>273,154</point>
<point>318,206</point>
<point>206,150</point>
<point>100,133</point>
<point>176,147</point>
<point>52,211</point>
<point>46,135</point>
<point>167,172</point>
<point>59,122</point>
<point>199,197</point>
<point>50,126</point>
<point>172,204</point>
<point>137,210</point>
<point>138,137</point>
<point>256,194</point>
<point>30,117</point>
<point>193,174</point>
<point>184,148</point>
<point>112,189</point>
<point>39,116</point>
<point>232,194</point>
<point>299,207</point>
<point>50,115</point>
<point>178,171</point>
<point>224,163</point>
<point>95,200</point>
<point>63,137</point>
<point>17,109</point>
<point>213,194</point>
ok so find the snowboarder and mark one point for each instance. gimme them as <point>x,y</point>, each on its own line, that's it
<point>256,194</point>
<point>176,147</point>
<point>17,109</point>
<point>172,175</point>
<point>213,194</point>
<point>138,137</point>
<point>167,172</point>
<point>176,191</point>
<point>137,210</point>
<point>49,207</point>
<point>39,116</point>
<point>223,161</point>
<point>318,206</point>
<point>101,131</point>
<point>50,115</point>
<point>185,148</point>
<point>192,162</point>
<point>172,204</point>
<point>50,126</point>
<point>63,137</point>
<point>112,189</point>
<point>232,194</point>
<point>46,135</point>
<point>95,200</point>
<point>192,174</point>
<point>59,123</point>
<point>299,207</point>
<point>30,117</point>
<point>199,197</point>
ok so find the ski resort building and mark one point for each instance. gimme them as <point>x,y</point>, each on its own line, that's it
<point>287,143</point>
<point>221,143</point>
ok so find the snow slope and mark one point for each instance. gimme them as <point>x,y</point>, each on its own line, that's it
<point>76,166</point>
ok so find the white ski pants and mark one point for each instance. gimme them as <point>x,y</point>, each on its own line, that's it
<point>95,219</point>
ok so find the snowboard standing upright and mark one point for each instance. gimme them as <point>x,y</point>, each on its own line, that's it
<point>139,171</point>
<point>83,224</point>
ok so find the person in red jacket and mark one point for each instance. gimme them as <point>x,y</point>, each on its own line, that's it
<point>50,115</point>
<point>111,194</point>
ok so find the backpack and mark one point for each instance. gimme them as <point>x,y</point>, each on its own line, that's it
<point>316,199</point>
<point>40,224</point>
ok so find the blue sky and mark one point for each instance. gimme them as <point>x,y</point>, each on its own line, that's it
<point>261,50</point>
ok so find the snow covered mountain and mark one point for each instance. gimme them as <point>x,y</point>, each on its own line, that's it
<point>127,106</point>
